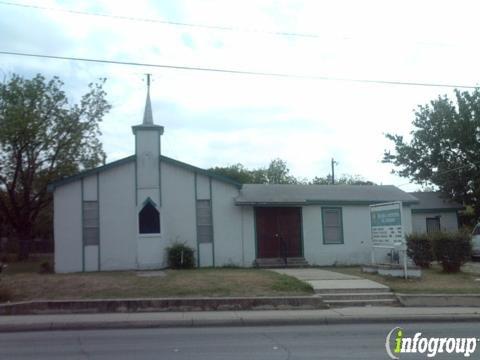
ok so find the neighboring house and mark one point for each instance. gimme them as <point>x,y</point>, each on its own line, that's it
<point>125,214</point>
<point>434,212</point>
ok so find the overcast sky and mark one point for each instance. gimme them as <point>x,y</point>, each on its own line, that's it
<point>214,119</point>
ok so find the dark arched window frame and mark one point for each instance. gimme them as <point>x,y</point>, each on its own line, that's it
<point>149,218</point>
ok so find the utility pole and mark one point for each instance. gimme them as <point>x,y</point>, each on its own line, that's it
<point>333,170</point>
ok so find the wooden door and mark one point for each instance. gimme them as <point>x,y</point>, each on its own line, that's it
<point>278,232</point>
<point>290,231</point>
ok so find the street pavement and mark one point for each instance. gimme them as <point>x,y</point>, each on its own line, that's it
<point>341,341</point>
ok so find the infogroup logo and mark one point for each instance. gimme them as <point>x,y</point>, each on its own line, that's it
<point>397,343</point>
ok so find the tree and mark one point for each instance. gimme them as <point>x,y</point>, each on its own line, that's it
<point>345,179</point>
<point>235,172</point>
<point>444,149</point>
<point>277,172</point>
<point>42,138</point>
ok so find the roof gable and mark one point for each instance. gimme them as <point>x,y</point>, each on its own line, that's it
<point>434,200</point>
<point>66,180</point>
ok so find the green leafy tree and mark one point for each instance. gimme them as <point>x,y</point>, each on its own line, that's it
<point>43,138</point>
<point>342,180</point>
<point>444,149</point>
<point>235,172</point>
<point>276,173</point>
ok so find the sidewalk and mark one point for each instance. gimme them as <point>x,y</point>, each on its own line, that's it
<point>325,280</point>
<point>236,318</point>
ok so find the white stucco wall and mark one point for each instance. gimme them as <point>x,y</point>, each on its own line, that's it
<point>117,218</point>
<point>448,221</point>
<point>90,188</point>
<point>203,187</point>
<point>227,225</point>
<point>91,258</point>
<point>67,225</point>
<point>357,245</point>
<point>248,235</point>
<point>356,234</point>
<point>205,254</point>
<point>178,206</point>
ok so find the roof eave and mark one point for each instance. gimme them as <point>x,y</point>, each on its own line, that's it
<point>201,171</point>
<point>60,182</point>
<point>435,210</point>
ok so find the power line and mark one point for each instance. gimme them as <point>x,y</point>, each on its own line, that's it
<point>165,22</point>
<point>238,72</point>
<point>178,23</point>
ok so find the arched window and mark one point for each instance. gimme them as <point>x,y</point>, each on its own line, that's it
<point>149,218</point>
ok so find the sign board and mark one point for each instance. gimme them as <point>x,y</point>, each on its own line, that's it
<point>386,223</point>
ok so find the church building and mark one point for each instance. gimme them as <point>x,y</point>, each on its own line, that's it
<point>123,215</point>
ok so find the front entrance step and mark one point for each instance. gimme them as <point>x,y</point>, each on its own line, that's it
<point>352,290</point>
<point>359,298</point>
<point>349,303</point>
<point>294,262</point>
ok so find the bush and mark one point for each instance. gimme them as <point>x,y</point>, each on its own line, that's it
<point>180,256</point>
<point>419,249</point>
<point>452,249</point>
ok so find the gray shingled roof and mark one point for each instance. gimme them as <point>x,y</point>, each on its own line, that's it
<point>304,194</point>
<point>434,200</point>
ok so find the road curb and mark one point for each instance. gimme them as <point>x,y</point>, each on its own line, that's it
<point>233,322</point>
<point>438,300</point>
<point>38,307</point>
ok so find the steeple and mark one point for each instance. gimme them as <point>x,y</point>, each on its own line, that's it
<point>147,123</point>
<point>148,155</point>
<point>147,115</point>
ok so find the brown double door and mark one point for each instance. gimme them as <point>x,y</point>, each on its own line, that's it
<point>279,231</point>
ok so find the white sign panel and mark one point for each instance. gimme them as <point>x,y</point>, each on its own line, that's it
<point>386,223</point>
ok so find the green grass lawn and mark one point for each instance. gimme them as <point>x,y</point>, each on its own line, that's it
<point>24,284</point>
<point>433,280</point>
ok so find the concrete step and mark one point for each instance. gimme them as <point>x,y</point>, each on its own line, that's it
<point>352,290</point>
<point>348,303</point>
<point>280,263</point>
<point>358,296</point>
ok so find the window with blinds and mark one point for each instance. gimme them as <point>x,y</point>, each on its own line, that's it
<point>91,223</point>
<point>332,225</point>
<point>433,225</point>
<point>204,221</point>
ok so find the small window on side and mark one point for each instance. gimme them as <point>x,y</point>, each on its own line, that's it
<point>90,216</point>
<point>204,221</point>
<point>332,225</point>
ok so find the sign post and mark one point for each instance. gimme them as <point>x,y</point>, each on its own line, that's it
<point>387,229</point>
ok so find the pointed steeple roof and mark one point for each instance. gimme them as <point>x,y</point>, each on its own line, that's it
<point>147,123</point>
<point>147,114</point>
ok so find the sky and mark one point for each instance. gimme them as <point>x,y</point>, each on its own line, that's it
<point>218,119</point>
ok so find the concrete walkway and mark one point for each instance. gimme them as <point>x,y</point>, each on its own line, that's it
<point>236,318</point>
<point>325,280</point>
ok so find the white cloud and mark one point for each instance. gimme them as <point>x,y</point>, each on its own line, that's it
<point>218,119</point>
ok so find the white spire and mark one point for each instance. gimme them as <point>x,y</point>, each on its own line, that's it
<point>148,115</point>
